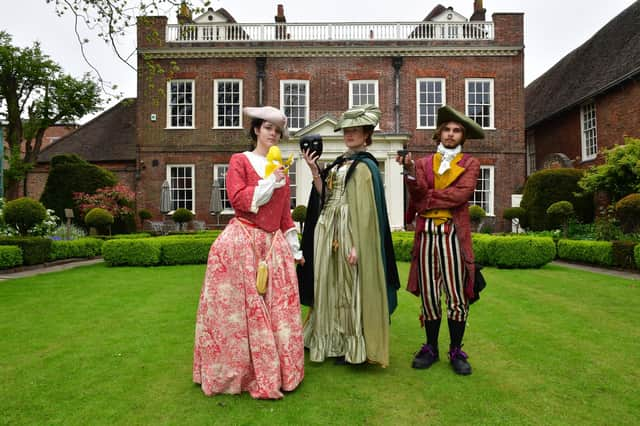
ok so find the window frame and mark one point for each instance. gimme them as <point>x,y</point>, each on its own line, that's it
<point>193,103</point>
<point>376,92</point>
<point>215,102</point>
<point>171,188</point>
<point>490,211</point>
<point>306,105</point>
<point>224,195</point>
<point>491,99</point>
<point>584,138</point>
<point>443,82</point>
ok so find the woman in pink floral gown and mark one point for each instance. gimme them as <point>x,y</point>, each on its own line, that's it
<point>244,340</point>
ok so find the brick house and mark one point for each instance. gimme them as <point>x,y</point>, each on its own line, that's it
<point>588,101</point>
<point>210,67</point>
<point>108,140</point>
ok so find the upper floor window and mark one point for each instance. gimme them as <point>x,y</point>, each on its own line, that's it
<point>589,133</point>
<point>181,104</point>
<point>294,101</point>
<point>363,92</point>
<point>479,96</point>
<point>182,183</point>
<point>227,108</point>
<point>484,193</point>
<point>220,175</point>
<point>430,95</point>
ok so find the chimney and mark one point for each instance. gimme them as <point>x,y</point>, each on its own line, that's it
<point>280,19</point>
<point>478,11</point>
<point>281,29</point>
<point>184,14</point>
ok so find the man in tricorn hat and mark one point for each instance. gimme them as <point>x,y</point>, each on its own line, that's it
<point>440,187</point>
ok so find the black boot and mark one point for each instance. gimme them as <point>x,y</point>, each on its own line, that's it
<point>458,360</point>
<point>425,357</point>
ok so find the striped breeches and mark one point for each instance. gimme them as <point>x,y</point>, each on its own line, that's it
<point>441,267</point>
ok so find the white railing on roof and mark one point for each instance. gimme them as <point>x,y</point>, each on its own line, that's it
<point>202,33</point>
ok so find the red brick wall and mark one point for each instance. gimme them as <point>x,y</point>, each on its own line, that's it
<point>617,115</point>
<point>329,88</point>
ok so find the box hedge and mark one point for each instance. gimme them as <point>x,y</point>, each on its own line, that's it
<point>132,252</point>
<point>520,252</point>
<point>594,252</point>
<point>181,251</point>
<point>34,249</point>
<point>84,247</point>
<point>10,256</point>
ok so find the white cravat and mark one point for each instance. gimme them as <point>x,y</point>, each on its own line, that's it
<point>448,154</point>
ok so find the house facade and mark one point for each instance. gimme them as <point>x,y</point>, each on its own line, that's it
<point>588,101</point>
<point>194,77</point>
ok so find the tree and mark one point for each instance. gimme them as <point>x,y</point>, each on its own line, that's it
<point>620,175</point>
<point>31,83</point>
<point>110,19</point>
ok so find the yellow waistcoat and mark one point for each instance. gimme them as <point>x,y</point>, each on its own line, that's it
<point>442,181</point>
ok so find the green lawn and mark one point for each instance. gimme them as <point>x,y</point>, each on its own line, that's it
<point>98,345</point>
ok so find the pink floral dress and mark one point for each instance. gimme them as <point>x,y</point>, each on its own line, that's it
<point>245,341</point>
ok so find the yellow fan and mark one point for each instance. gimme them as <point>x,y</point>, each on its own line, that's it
<point>274,160</point>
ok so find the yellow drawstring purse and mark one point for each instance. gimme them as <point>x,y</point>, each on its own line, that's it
<point>262,277</point>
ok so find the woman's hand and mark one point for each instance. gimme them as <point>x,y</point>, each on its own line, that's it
<point>353,256</point>
<point>300,261</point>
<point>279,173</point>
<point>311,159</point>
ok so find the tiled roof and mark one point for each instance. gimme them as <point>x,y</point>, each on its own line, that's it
<point>111,136</point>
<point>611,56</point>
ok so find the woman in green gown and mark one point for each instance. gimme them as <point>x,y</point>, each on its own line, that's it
<point>354,272</point>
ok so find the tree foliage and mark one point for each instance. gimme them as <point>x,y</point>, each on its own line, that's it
<point>35,93</point>
<point>620,175</point>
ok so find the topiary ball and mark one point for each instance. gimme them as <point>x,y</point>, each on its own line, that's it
<point>98,218</point>
<point>476,213</point>
<point>182,215</point>
<point>299,214</point>
<point>24,214</point>
<point>144,214</point>
<point>628,213</point>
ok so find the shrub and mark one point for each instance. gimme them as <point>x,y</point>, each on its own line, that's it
<point>144,214</point>
<point>98,218</point>
<point>622,253</point>
<point>594,252</point>
<point>134,252</point>
<point>402,245</point>
<point>636,255</point>
<point>24,214</point>
<point>69,173</point>
<point>185,251</point>
<point>481,248</point>
<point>10,256</point>
<point>476,213</point>
<point>182,216</point>
<point>35,250</point>
<point>118,200</point>
<point>85,247</point>
<point>606,229</point>
<point>520,252</point>
<point>299,214</point>
<point>628,213</point>
<point>559,214</point>
<point>544,188</point>
<point>131,236</point>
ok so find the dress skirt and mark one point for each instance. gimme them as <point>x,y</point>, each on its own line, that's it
<point>245,341</point>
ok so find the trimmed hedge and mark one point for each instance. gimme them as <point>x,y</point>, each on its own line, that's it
<point>520,252</point>
<point>622,252</point>
<point>132,252</point>
<point>34,249</point>
<point>636,254</point>
<point>595,252</point>
<point>492,250</point>
<point>84,247</point>
<point>185,251</point>
<point>10,256</point>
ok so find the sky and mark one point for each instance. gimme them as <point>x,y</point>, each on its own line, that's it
<point>552,28</point>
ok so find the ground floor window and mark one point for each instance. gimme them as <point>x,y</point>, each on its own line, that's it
<point>483,195</point>
<point>182,183</point>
